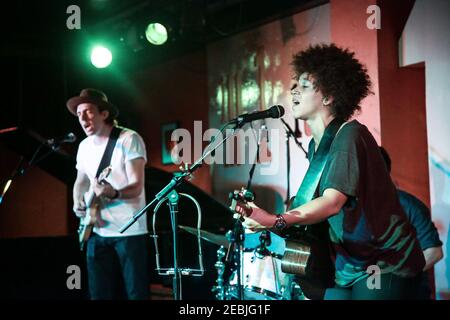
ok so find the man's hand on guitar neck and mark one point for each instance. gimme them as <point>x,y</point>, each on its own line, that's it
<point>254,217</point>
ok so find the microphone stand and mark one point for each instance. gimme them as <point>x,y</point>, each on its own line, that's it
<point>290,134</point>
<point>23,166</point>
<point>238,234</point>
<point>169,191</point>
<point>236,238</point>
<point>264,237</point>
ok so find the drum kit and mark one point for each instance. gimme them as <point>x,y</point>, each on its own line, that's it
<point>261,270</point>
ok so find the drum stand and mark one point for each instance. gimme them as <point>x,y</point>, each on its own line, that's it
<point>219,288</point>
<point>173,199</point>
<point>236,238</point>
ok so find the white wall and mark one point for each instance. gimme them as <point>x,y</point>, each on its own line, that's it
<point>426,38</point>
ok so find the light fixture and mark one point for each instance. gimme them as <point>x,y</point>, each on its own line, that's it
<point>156,33</point>
<point>101,57</point>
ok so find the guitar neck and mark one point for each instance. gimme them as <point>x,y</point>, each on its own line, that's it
<point>89,198</point>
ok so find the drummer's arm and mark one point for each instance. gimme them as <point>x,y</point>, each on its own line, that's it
<point>317,210</point>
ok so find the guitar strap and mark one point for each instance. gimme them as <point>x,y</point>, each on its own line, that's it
<point>310,182</point>
<point>107,154</point>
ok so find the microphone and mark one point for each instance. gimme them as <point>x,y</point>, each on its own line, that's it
<point>273,112</point>
<point>69,138</point>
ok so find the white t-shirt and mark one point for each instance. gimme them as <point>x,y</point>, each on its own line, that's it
<point>114,214</point>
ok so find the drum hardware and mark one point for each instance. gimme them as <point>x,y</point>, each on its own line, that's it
<point>297,292</point>
<point>265,241</point>
<point>208,236</point>
<point>176,271</point>
<point>257,274</point>
<point>236,238</point>
<point>269,268</point>
<point>220,265</point>
<point>262,278</point>
<point>219,288</point>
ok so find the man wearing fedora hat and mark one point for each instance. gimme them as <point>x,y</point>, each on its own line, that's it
<point>111,255</point>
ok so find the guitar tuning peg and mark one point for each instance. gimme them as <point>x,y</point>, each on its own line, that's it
<point>249,196</point>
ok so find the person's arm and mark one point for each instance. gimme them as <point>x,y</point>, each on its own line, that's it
<point>432,256</point>
<point>317,210</point>
<point>314,211</point>
<point>80,187</point>
<point>135,175</point>
<point>135,172</point>
<point>419,216</point>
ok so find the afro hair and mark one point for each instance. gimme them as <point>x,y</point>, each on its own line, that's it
<point>336,74</point>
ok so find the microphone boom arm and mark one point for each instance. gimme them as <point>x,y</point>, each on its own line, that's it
<point>176,181</point>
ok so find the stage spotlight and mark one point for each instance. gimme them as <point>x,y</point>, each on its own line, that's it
<point>156,33</point>
<point>101,57</point>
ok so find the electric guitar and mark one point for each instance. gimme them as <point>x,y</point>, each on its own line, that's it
<point>92,207</point>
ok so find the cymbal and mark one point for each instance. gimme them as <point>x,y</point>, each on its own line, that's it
<point>208,236</point>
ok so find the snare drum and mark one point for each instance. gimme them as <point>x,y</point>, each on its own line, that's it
<point>261,278</point>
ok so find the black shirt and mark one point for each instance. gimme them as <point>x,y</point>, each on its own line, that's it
<point>371,228</point>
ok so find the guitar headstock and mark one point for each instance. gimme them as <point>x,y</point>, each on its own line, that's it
<point>243,195</point>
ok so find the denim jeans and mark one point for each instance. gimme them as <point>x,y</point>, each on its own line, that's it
<point>118,267</point>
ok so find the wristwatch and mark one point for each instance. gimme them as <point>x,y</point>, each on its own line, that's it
<point>280,222</point>
<point>116,194</point>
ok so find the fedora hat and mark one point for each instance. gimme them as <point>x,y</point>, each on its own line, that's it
<point>93,96</point>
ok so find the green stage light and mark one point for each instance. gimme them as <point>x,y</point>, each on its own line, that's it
<point>156,33</point>
<point>101,57</point>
